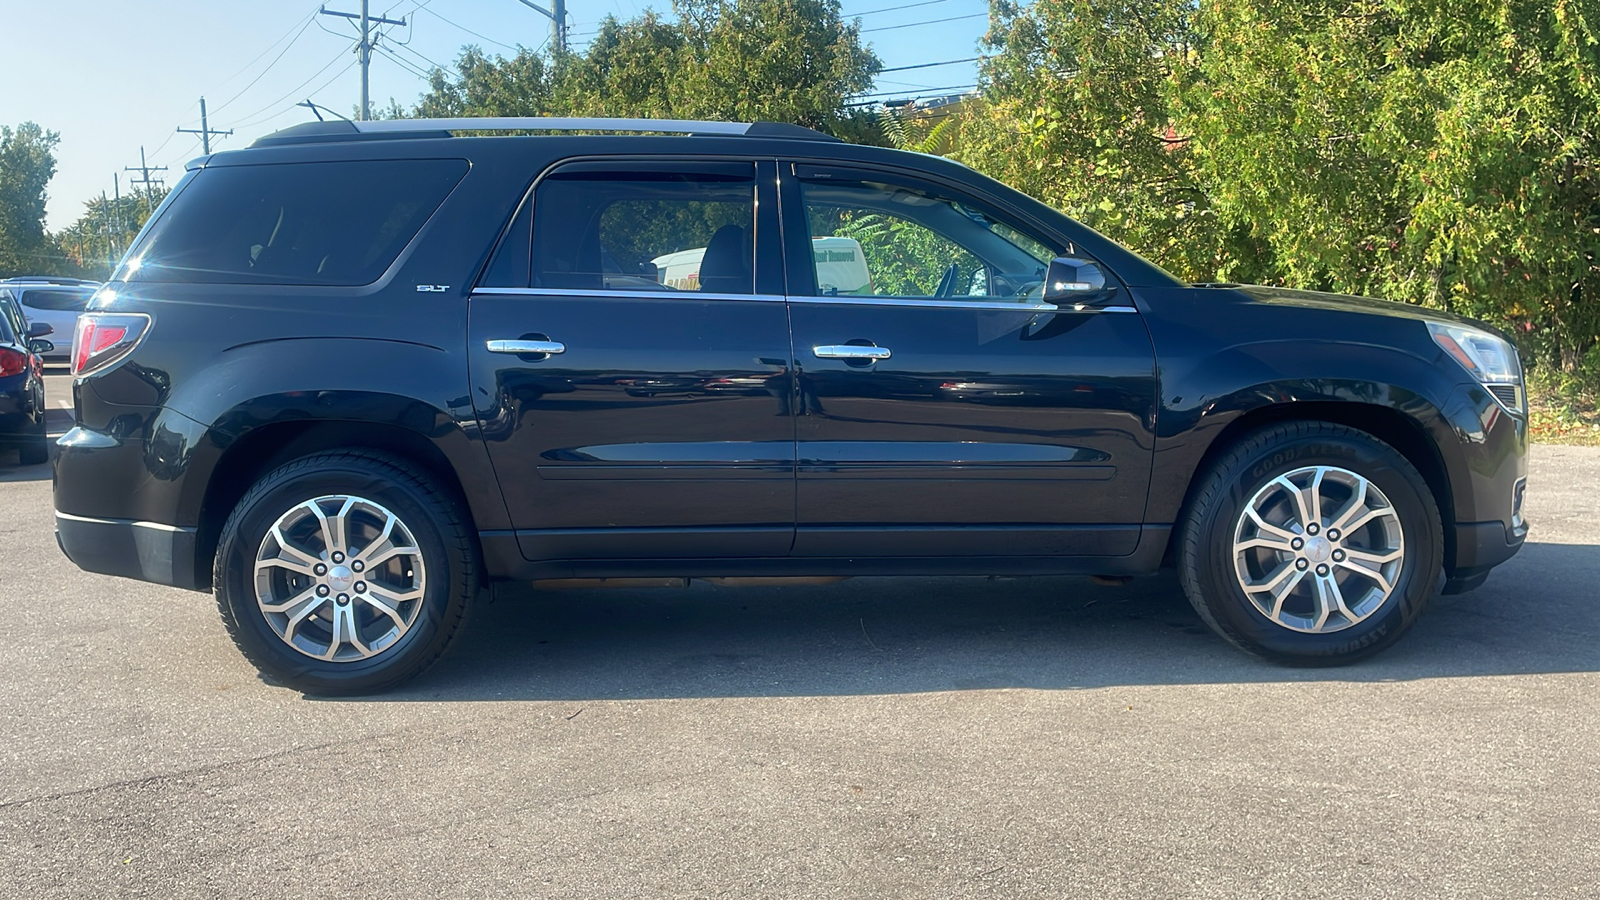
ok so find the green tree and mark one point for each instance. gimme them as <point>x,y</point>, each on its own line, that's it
<point>91,245</point>
<point>27,163</point>
<point>738,60</point>
<point>1429,151</point>
<point>1421,150</point>
<point>1078,108</point>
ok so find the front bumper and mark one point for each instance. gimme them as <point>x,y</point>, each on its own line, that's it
<point>148,551</point>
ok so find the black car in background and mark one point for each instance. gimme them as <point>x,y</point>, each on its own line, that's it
<point>22,409</point>
<point>350,375</point>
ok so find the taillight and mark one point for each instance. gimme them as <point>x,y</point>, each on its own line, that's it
<point>104,338</point>
<point>12,362</point>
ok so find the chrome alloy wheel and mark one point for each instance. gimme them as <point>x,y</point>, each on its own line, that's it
<point>339,578</point>
<point>1318,549</point>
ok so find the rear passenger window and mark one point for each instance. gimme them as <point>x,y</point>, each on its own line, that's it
<point>328,223</point>
<point>69,299</point>
<point>651,228</point>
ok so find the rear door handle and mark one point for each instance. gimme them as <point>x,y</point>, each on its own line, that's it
<point>527,347</point>
<point>850,351</point>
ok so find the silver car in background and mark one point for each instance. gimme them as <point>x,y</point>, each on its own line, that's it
<point>56,301</point>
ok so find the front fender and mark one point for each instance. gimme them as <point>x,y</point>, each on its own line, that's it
<point>1208,396</point>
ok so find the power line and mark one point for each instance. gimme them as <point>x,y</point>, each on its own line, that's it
<point>246,67</point>
<point>948,62</point>
<point>929,22</point>
<point>295,90</point>
<point>891,9</point>
<point>263,72</point>
<point>464,28</point>
<point>946,87</point>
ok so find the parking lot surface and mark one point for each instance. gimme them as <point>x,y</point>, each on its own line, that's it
<point>908,737</point>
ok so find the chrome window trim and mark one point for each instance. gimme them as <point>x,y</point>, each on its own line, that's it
<point>923,302</point>
<point>632,295</point>
<point>936,303</point>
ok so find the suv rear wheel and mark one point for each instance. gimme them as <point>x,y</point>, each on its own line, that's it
<point>344,573</point>
<point>1311,543</point>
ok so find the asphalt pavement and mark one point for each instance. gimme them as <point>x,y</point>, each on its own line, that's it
<point>904,737</point>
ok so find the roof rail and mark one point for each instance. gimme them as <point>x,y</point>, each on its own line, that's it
<point>316,132</point>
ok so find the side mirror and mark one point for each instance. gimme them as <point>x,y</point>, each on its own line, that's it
<point>40,329</point>
<point>40,346</point>
<point>1071,281</point>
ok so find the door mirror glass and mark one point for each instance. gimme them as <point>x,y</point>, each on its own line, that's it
<point>1074,281</point>
<point>40,329</point>
<point>40,346</point>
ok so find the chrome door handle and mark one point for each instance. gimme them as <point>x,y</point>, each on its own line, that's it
<point>527,347</point>
<point>850,351</point>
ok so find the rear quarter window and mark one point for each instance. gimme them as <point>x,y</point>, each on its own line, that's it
<point>325,223</point>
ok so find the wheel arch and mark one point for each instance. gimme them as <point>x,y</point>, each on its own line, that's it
<point>1408,436</point>
<point>261,449</point>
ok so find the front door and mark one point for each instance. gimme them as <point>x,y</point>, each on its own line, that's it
<point>944,408</point>
<point>631,378</point>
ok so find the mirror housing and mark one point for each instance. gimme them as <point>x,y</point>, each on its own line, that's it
<point>1073,281</point>
<point>40,346</point>
<point>40,329</point>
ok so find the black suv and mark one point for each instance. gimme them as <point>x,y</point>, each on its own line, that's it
<point>348,376</point>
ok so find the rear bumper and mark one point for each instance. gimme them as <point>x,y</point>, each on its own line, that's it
<point>148,551</point>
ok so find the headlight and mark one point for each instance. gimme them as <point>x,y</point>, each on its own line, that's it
<point>1490,361</point>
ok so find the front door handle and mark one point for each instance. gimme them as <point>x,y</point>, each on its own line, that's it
<point>520,347</point>
<point>850,351</point>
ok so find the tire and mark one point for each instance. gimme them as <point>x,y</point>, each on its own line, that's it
<point>311,639</point>
<point>1229,560</point>
<point>34,451</point>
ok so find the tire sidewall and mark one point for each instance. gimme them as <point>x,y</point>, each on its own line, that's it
<point>241,541</point>
<point>1419,522</point>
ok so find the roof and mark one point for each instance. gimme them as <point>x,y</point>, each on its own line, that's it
<point>345,130</point>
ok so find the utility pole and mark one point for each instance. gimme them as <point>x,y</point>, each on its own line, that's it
<point>105,228</point>
<point>364,47</point>
<point>205,131</point>
<point>116,199</point>
<point>557,14</point>
<point>144,169</point>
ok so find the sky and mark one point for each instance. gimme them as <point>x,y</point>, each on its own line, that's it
<point>112,77</point>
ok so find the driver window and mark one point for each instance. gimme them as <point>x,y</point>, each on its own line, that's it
<point>883,240</point>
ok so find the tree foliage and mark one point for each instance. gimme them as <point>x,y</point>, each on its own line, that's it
<point>27,163</point>
<point>91,245</point>
<point>737,60</point>
<point>1421,150</point>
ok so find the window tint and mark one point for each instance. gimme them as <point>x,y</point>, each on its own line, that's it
<point>69,299</point>
<point>332,223</point>
<point>8,316</point>
<point>643,230</point>
<point>885,240</point>
<point>509,267</point>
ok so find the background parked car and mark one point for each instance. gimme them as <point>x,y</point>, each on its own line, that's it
<point>56,302</point>
<point>22,382</point>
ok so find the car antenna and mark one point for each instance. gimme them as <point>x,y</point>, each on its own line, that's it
<point>314,107</point>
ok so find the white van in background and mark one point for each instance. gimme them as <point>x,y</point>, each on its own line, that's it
<point>841,267</point>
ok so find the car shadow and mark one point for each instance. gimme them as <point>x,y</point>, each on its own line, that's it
<point>12,469</point>
<point>909,635</point>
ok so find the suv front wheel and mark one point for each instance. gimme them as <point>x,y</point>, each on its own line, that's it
<point>344,573</point>
<point>1311,543</point>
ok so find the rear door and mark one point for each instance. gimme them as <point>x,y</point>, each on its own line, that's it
<point>945,409</point>
<point>631,364</point>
